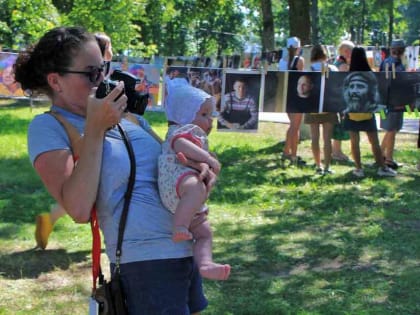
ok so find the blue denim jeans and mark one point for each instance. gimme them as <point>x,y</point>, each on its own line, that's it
<point>163,287</point>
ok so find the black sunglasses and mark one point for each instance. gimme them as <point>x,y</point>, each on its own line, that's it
<point>93,75</point>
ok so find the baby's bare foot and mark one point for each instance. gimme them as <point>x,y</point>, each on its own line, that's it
<point>215,271</point>
<point>181,233</point>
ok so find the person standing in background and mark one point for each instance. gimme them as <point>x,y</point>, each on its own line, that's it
<point>316,120</point>
<point>342,63</point>
<point>360,92</point>
<point>295,62</point>
<point>393,121</point>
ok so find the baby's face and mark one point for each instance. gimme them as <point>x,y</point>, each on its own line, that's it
<point>204,117</point>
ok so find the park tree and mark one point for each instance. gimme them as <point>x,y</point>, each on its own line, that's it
<point>223,24</point>
<point>191,27</point>
<point>411,11</point>
<point>208,27</point>
<point>267,33</point>
<point>113,17</point>
<point>380,18</point>
<point>63,6</point>
<point>299,20</point>
<point>28,20</point>
<point>5,31</point>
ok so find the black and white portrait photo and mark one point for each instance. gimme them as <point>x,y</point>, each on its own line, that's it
<point>356,92</point>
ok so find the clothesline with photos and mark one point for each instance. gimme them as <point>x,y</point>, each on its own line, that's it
<point>271,90</point>
<point>277,91</point>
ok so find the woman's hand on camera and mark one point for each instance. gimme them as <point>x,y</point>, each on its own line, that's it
<point>108,111</point>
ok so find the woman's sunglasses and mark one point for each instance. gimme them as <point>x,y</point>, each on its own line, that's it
<point>94,74</point>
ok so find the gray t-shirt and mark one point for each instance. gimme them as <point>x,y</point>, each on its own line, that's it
<point>148,230</point>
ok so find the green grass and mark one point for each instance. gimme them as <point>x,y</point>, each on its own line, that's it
<point>298,243</point>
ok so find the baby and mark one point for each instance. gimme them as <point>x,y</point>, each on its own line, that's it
<point>189,112</point>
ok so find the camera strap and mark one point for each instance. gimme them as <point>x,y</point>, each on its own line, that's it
<point>75,143</point>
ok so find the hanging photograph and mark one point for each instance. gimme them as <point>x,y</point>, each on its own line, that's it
<point>356,92</point>
<point>8,86</point>
<point>275,91</point>
<point>240,101</point>
<point>303,92</point>
<point>149,77</point>
<point>404,90</point>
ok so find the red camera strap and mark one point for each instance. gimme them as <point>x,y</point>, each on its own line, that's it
<point>75,141</point>
<point>96,247</point>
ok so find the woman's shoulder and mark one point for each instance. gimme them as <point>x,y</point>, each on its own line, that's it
<point>43,121</point>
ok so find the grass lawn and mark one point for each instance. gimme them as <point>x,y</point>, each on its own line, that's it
<point>298,243</point>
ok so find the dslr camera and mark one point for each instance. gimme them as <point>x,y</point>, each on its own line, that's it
<point>136,101</point>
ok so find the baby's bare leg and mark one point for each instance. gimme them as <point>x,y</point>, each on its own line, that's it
<point>192,196</point>
<point>203,237</point>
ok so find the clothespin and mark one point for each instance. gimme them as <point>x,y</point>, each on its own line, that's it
<point>327,71</point>
<point>416,112</point>
<point>393,71</point>
<point>382,114</point>
<point>408,108</point>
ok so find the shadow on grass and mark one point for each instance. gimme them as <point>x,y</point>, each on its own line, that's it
<point>332,261</point>
<point>244,169</point>
<point>341,246</point>
<point>31,263</point>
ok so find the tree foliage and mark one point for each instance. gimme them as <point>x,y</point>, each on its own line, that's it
<point>212,27</point>
<point>112,17</point>
<point>27,20</point>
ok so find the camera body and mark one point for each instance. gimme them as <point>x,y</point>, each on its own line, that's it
<point>136,101</point>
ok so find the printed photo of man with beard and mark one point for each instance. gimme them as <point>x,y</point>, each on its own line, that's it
<point>360,93</point>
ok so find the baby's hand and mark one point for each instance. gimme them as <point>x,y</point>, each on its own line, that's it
<point>214,164</point>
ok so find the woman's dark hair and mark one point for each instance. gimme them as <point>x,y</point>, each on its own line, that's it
<point>53,52</point>
<point>102,40</point>
<point>359,60</point>
<point>291,55</point>
<point>318,53</point>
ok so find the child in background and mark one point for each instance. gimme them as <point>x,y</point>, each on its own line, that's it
<point>316,120</point>
<point>360,90</point>
<point>189,112</point>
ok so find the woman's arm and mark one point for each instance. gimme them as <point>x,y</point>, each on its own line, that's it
<point>75,185</point>
<point>300,64</point>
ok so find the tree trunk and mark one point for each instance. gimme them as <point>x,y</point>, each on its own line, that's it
<point>268,26</point>
<point>299,20</point>
<point>391,22</point>
<point>315,22</point>
<point>362,23</point>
